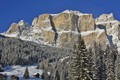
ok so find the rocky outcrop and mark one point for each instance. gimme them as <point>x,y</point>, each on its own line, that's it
<point>34,22</point>
<point>111,27</point>
<point>65,21</point>
<point>16,30</point>
<point>44,27</point>
<point>107,22</point>
<point>105,17</point>
<point>61,24</point>
<point>44,21</point>
<point>102,38</point>
<point>69,21</point>
<point>13,28</point>
<point>67,39</point>
<point>86,23</point>
<point>49,37</point>
<point>62,29</point>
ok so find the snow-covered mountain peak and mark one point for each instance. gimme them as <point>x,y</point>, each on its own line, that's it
<point>78,13</point>
<point>16,30</point>
<point>62,29</point>
<point>23,23</point>
<point>71,11</point>
<point>105,18</point>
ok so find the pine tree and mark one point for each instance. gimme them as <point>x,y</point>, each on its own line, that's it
<point>116,62</point>
<point>57,75</point>
<point>110,67</point>
<point>1,70</point>
<point>99,60</point>
<point>92,64</point>
<point>43,76</point>
<point>80,62</point>
<point>26,74</point>
<point>111,56</point>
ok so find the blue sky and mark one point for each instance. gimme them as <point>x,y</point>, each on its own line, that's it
<point>16,10</point>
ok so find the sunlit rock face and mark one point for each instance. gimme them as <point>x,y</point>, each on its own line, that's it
<point>67,39</point>
<point>13,28</point>
<point>62,29</point>
<point>111,27</point>
<point>105,17</point>
<point>16,30</point>
<point>107,22</point>
<point>44,21</point>
<point>65,21</point>
<point>86,22</point>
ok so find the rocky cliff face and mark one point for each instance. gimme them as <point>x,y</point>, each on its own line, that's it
<point>16,30</point>
<point>61,29</point>
<point>111,27</point>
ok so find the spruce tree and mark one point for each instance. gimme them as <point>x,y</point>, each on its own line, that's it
<point>110,67</point>
<point>80,62</point>
<point>92,64</point>
<point>26,74</point>
<point>116,62</point>
<point>111,56</point>
<point>101,67</point>
<point>57,75</point>
<point>1,70</point>
<point>99,60</point>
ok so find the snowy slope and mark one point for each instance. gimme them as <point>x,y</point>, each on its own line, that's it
<point>19,71</point>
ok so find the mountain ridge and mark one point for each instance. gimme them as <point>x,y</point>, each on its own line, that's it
<point>61,29</point>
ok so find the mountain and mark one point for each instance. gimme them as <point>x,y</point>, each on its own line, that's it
<point>62,29</point>
<point>49,41</point>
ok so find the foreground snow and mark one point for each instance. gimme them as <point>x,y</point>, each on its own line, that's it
<point>19,71</point>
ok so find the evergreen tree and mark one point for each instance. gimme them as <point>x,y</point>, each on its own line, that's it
<point>57,75</point>
<point>26,74</point>
<point>109,65</point>
<point>80,62</point>
<point>43,76</point>
<point>116,62</point>
<point>111,57</point>
<point>99,60</point>
<point>101,67</point>
<point>92,65</point>
<point>1,70</point>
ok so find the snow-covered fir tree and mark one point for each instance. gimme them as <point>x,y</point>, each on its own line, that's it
<point>92,64</point>
<point>110,71</point>
<point>100,62</point>
<point>26,74</point>
<point>80,68</point>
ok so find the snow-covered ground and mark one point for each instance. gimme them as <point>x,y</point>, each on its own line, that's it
<point>19,71</point>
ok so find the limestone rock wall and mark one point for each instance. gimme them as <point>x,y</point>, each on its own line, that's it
<point>63,28</point>
<point>86,23</point>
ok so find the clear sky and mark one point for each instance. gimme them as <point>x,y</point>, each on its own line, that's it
<point>16,10</point>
